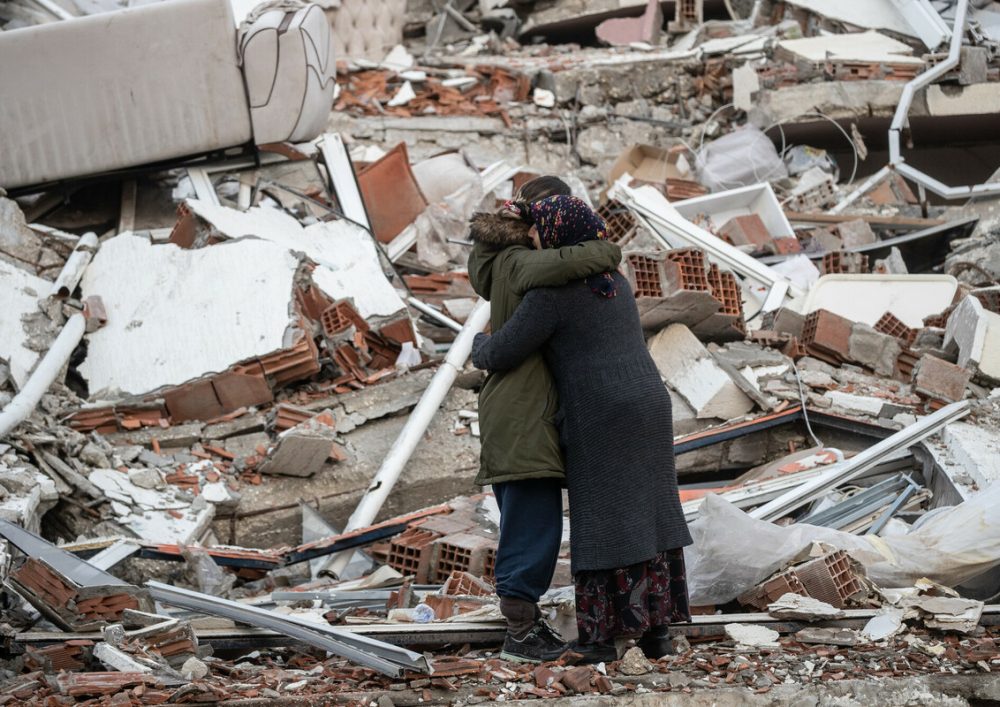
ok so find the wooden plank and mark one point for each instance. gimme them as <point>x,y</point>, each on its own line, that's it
<point>890,221</point>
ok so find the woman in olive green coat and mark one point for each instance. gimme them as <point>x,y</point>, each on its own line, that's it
<point>521,457</point>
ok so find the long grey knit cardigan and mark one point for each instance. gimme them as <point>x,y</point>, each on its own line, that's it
<point>615,420</point>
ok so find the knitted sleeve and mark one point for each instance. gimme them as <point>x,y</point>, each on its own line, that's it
<point>525,332</point>
<point>527,269</point>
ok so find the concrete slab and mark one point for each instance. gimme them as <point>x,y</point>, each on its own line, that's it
<point>181,314</point>
<point>689,368</point>
<point>348,262</point>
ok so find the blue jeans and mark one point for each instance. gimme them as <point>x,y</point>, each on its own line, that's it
<point>531,522</point>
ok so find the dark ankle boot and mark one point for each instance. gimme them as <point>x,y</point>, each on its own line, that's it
<point>595,652</point>
<point>521,615</point>
<point>656,643</point>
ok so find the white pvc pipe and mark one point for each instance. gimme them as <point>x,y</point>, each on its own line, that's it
<point>45,373</point>
<point>896,159</point>
<point>863,189</point>
<point>434,314</point>
<point>413,431</point>
<point>75,266</point>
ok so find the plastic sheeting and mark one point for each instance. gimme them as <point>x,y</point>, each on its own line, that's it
<point>733,552</point>
<point>740,158</point>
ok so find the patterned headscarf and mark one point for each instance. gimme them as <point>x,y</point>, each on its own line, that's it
<point>566,220</point>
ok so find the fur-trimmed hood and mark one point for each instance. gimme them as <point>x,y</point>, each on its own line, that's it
<point>498,231</point>
<point>492,235</point>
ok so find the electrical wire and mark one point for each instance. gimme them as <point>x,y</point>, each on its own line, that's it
<point>805,411</point>
<point>817,114</point>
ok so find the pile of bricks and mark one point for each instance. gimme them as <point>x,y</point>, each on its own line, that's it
<point>362,353</point>
<point>831,578</point>
<point>71,606</point>
<point>675,287</point>
<point>433,548</point>
<point>69,655</point>
<point>119,418</point>
<point>170,640</point>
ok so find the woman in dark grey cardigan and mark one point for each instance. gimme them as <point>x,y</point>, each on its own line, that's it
<point>627,528</point>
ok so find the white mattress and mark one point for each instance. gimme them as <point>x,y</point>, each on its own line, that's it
<point>120,89</point>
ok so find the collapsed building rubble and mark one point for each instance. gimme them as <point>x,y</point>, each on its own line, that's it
<point>237,429</point>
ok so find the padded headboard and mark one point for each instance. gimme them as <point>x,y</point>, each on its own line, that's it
<point>367,29</point>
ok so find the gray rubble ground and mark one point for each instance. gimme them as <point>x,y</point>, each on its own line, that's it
<point>443,466</point>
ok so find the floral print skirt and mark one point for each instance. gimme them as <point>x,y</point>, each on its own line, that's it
<point>628,601</point>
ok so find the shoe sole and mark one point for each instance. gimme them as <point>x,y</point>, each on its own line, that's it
<point>512,658</point>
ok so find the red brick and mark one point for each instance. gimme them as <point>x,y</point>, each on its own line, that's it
<point>826,335</point>
<point>940,380</point>
<point>747,230</point>
<point>621,224</point>
<point>340,316</point>
<point>465,552</point>
<point>891,325</point>
<point>410,553</point>
<point>578,679</point>
<point>906,362</point>
<point>839,262</point>
<point>787,246</point>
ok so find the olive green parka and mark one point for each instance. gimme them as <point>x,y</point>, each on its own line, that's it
<point>518,408</point>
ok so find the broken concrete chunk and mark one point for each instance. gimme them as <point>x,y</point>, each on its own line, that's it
<point>347,260</point>
<point>856,233</point>
<point>975,333</point>
<point>145,478</point>
<point>872,349</point>
<point>194,669</point>
<point>856,404</point>
<point>796,606</point>
<point>174,436</point>
<point>893,264</point>
<point>634,662</point>
<point>828,636</point>
<point>93,455</point>
<point>300,451</point>
<point>886,623</point>
<point>752,636</point>
<point>20,292</point>
<point>949,613</point>
<point>688,367</point>
<point>17,240</point>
